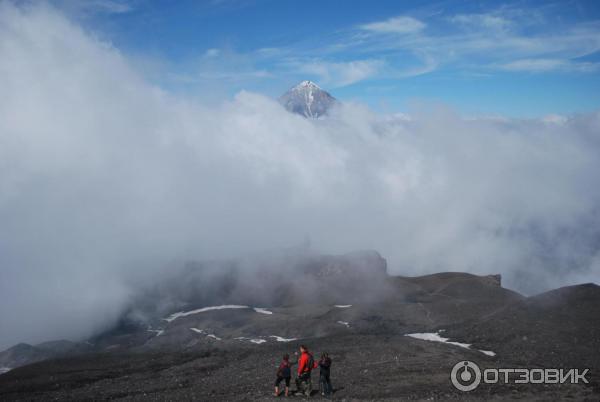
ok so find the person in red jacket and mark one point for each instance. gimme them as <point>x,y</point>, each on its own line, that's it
<point>306,363</point>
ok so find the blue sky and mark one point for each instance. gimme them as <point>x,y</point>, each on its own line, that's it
<point>522,58</point>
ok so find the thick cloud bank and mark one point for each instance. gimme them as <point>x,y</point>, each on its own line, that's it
<point>104,177</point>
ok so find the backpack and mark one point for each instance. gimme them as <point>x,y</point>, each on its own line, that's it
<point>284,370</point>
<point>311,362</point>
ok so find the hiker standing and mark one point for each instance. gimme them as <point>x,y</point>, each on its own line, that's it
<point>324,373</point>
<point>306,363</point>
<point>284,373</point>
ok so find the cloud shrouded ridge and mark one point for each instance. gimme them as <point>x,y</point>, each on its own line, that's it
<point>104,176</point>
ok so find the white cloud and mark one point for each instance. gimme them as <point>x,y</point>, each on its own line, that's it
<point>543,65</point>
<point>491,21</point>
<point>104,176</point>
<point>507,39</point>
<point>401,24</point>
<point>110,6</point>
<point>96,6</point>
<point>337,74</point>
<point>474,43</point>
<point>212,52</point>
<point>216,65</point>
<point>534,65</point>
<point>231,75</point>
<point>555,119</point>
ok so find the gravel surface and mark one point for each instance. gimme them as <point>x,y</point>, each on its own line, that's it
<point>366,367</point>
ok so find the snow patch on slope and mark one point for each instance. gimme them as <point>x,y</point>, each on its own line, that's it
<point>435,337</point>
<point>201,331</point>
<point>262,310</point>
<point>175,316</point>
<point>258,341</point>
<point>280,339</point>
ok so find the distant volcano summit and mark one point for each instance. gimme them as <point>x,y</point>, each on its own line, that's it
<point>307,99</point>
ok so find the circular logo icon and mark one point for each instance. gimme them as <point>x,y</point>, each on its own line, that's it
<point>465,376</point>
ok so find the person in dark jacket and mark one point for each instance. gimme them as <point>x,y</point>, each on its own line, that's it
<point>324,375</point>
<point>284,373</point>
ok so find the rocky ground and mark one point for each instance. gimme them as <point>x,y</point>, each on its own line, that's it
<point>374,367</point>
<point>223,338</point>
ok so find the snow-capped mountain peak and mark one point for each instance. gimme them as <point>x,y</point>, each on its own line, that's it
<point>307,99</point>
<point>306,84</point>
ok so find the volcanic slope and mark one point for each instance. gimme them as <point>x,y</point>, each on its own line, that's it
<point>222,333</point>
